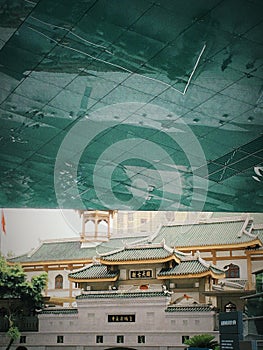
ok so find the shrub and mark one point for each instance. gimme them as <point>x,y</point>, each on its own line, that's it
<point>202,341</point>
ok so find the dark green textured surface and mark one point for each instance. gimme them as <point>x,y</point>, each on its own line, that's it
<point>63,61</point>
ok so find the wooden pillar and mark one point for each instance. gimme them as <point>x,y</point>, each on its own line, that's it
<point>108,222</point>
<point>70,267</point>
<point>249,271</point>
<point>214,257</point>
<point>46,288</point>
<point>96,224</point>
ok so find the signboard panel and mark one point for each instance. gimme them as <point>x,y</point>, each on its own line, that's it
<point>229,342</point>
<point>141,274</point>
<point>121,318</point>
<point>231,322</point>
<point>231,330</point>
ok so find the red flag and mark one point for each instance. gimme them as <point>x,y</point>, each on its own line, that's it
<point>3,222</point>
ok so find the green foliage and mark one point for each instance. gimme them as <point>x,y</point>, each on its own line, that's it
<point>13,333</point>
<point>13,285</point>
<point>202,341</point>
<point>18,294</point>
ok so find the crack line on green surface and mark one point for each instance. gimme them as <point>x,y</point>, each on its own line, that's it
<point>76,35</point>
<point>123,68</point>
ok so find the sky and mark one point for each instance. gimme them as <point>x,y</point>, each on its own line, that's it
<point>25,228</point>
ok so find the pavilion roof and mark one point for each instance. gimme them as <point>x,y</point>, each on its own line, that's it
<point>195,266</point>
<point>94,271</point>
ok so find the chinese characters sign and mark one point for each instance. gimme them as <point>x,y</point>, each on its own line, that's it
<point>141,273</point>
<point>121,318</point>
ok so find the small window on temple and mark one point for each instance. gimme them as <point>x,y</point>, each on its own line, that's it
<point>184,338</point>
<point>130,216</point>
<point>232,271</point>
<point>60,339</point>
<point>99,339</point>
<point>230,307</point>
<point>141,339</point>
<point>120,339</point>
<point>22,339</point>
<point>59,282</point>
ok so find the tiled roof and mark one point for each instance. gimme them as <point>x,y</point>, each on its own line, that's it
<point>93,271</point>
<point>57,251</point>
<point>138,253</point>
<point>189,267</point>
<point>203,234</point>
<point>59,311</point>
<point>119,294</point>
<point>259,233</point>
<point>71,250</point>
<point>117,243</point>
<point>197,308</point>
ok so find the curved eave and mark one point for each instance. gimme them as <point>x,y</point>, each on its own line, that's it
<point>235,246</point>
<point>140,261</point>
<point>104,279</point>
<point>193,275</point>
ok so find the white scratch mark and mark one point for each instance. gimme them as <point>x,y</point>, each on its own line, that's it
<point>116,65</point>
<point>74,34</point>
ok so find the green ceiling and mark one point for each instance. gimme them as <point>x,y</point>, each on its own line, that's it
<point>132,104</point>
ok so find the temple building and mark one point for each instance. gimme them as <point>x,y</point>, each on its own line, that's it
<point>230,243</point>
<point>143,291</point>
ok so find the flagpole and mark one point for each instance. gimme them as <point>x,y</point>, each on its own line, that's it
<point>3,231</point>
<point>1,241</point>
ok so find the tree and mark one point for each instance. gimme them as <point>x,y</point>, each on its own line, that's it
<point>202,341</point>
<point>20,296</point>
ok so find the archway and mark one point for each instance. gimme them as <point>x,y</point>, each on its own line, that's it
<point>21,348</point>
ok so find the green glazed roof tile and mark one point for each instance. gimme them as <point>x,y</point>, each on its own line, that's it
<point>66,250</point>
<point>113,295</point>
<point>189,267</point>
<point>133,254</point>
<point>63,311</point>
<point>93,271</point>
<point>202,234</point>
<point>72,250</point>
<point>198,308</point>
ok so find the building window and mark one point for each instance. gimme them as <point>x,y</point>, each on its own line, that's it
<point>60,339</point>
<point>230,307</point>
<point>141,339</point>
<point>232,271</point>
<point>99,339</point>
<point>130,216</point>
<point>22,339</point>
<point>184,338</point>
<point>120,339</point>
<point>185,322</point>
<point>59,282</point>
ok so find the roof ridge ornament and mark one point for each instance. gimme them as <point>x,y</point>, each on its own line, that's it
<point>201,260</point>
<point>152,236</point>
<point>110,252</point>
<point>247,227</point>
